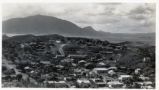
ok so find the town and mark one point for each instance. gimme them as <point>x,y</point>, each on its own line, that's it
<point>55,61</point>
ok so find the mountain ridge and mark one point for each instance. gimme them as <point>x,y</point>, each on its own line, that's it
<point>40,24</point>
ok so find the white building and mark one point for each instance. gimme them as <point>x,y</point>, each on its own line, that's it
<point>115,84</point>
<point>100,70</point>
<point>125,77</point>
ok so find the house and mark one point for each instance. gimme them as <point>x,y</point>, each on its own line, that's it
<point>139,84</point>
<point>147,83</point>
<point>111,62</point>
<point>115,84</point>
<point>76,56</point>
<point>99,82</point>
<point>144,85</point>
<point>112,68</point>
<point>137,71</point>
<point>45,62</point>
<point>72,75</point>
<point>146,59</point>
<point>143,78</point>
<point>92,74</point>
<point>78,72</point>
<point>111,73</point>
<point>122,69</point>
<point>33,63</point>
<point>147,87</point>
<point>118,47</point>
<point>59,57</point>
<point>101,64</point>
<point>22,45</point>
<point>26,68</point>
<point>59,66</point>
<point>109,52</point>
<point>109,79</point>
<point>71,49</point>
<point>57,84</point>
<point>58,41</point>
<point>82,72</point>
<point>125,77</point>
<point>83,83</point>
<point>70,78</point>
<point>74,65</point>
<point>67,60</point>
<point>100,70</point>
<point>82,62</point>
<point>83,80</point>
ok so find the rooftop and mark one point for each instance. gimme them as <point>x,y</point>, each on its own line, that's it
<point>83,81</point>
<point>100,69</point>
<point>114,83</point>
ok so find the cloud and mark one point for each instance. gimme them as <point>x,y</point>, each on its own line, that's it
<point>142,12</point>
<point>143,17</point>
<point>109,17</point>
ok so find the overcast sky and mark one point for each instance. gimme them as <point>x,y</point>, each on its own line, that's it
<point>108,17</point>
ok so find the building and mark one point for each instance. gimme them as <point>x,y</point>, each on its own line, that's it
<point>147,83</point>
<point>56,84</point>
<point>143,78</point>
<point>115,84</point>
<point>76,56</point>
<point>138,71</point>
<point>111,73</point>
<point>100,70</point>
<point>109,79</point>
<point>82,62</point>
<point>83,83</point>
<point>45,62</point>
<point>125,77</point>
<point>144,85</point>
<point>101,65</point>
<point>99,82</point>
<point>113,68</point>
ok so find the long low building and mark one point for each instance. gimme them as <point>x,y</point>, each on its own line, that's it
<point>86,81</point>
<point>125,77</point>
<point>83,83</point>
<point>115,84</point>
<point>76,56</point>
<point>100,70</point>
<point>57,84</point>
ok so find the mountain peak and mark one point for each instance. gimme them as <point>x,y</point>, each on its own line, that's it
<point>39,16</point>
<point>40,24</point>
<point>89,28</point>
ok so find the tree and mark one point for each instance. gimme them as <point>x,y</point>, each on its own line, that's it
<point>19,77</point>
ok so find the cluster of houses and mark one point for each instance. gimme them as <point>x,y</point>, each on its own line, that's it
<point>72,66</point>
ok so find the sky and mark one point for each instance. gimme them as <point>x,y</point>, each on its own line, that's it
<point>108,17</point>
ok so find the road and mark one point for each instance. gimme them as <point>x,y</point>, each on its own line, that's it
<point>61,49</point>
<point>10,65</point>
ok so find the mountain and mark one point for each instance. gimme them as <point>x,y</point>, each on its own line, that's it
<point>40,24</point>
